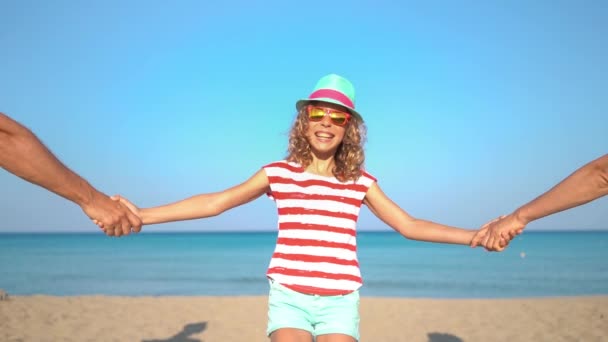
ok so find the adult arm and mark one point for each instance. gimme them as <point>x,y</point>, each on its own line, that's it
<point>583,186</point>
<point>24,155</point>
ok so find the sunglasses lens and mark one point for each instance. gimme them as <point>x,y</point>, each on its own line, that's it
<point>316,114</point>
<point>338,118</point>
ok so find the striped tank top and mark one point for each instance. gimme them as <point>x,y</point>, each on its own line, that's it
<point>316,250</point>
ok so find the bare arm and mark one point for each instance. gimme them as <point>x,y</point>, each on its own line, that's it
<point>24,155</point>
<point>205,205</point>
<point>584,185</point>
<point>410,227</point>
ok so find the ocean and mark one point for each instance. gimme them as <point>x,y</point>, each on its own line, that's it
<point>537,264</point>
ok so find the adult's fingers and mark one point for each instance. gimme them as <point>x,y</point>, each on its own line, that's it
<point>496,243</point>
<point>98,224</point>
<point>135,222</point>
<point>502,243</point>
<point>125,225</point>
<point>489,243</point>
<point>508,236</point>
<point>115,230</point>
<point>118,231</point>
<point>476,239</point>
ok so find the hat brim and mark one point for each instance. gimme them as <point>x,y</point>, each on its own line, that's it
<point>305,102</point>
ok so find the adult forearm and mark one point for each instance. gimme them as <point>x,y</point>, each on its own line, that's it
<point>24,155</point>
<point>584,185</point>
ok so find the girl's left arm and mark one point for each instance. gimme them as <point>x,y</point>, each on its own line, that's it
<point>410,227</point>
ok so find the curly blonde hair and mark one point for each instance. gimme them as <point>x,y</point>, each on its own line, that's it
<point>349,157</point>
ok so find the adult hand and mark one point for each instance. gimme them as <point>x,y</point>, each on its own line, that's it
<point>111,216</point>
<point>499,233</point>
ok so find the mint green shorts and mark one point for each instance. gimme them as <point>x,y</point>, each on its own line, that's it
<point>318,315</point>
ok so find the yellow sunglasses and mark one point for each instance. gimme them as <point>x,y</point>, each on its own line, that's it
<point>338,118</point>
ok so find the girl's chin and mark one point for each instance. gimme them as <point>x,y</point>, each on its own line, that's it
<point>324,150</point>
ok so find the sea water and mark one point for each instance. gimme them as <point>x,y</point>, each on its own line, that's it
<point>150,264</point>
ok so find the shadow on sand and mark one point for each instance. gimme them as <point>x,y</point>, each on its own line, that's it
<point>439,337</point>
<point>184,335</point>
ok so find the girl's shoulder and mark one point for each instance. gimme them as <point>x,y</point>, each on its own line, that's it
<point>276,163</point>
<point>367,175</point>
<point>282,166</point>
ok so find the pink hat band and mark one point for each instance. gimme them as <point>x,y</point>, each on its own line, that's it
<point>332,94</point>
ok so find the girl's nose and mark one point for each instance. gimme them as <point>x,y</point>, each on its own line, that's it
<point>326,120</point>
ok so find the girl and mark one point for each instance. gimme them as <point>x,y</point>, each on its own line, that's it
<point>319,188</point>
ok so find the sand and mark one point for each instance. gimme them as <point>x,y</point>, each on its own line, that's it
<point>215,319</point>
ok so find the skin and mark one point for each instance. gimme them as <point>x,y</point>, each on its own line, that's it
<point>24,155</point>
<point>586,184</point>
<point>324,138</point>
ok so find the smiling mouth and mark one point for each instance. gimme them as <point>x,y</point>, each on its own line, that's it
<point>324,135</point>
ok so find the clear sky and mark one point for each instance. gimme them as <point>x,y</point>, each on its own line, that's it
<point>472,107</point>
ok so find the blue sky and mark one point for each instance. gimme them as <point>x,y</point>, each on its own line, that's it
<point>472,107</point>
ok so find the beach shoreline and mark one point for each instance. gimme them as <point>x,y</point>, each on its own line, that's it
<point>243,318</point>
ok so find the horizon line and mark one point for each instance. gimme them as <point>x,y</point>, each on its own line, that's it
<point>274,231</point>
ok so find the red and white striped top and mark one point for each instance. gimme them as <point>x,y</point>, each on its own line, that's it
<point>316,251</point>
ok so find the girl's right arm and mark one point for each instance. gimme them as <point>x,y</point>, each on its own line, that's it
<point>410,227</point>
<point>204,205</point>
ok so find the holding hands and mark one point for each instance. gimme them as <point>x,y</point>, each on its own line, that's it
<point>113,217</point>
<point>496,234</point>
<point>117,216</point>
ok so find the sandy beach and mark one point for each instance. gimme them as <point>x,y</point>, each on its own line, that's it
<point>214,319</point>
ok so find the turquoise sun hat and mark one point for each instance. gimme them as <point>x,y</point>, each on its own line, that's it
<point>335,89</point>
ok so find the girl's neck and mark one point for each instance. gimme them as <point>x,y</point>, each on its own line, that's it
<point>322,167</point>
